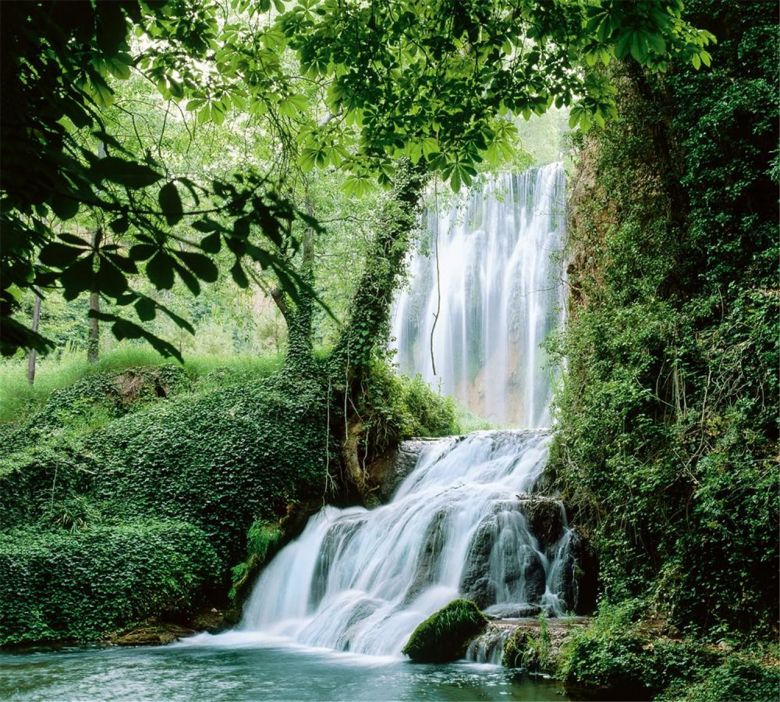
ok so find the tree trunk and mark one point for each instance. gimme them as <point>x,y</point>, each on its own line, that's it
<point>298,315</point>
<point>93,340</point>
<point>369,317</point>
<point>32,355</point>
<point>368,327</point>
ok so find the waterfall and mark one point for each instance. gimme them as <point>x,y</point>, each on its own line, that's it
<point>359,580</point>
<point>464,521</point>
<point>498,293</point>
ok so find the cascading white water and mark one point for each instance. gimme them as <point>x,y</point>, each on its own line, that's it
<point>362,580</point>
<point>461,523</point>
<point>498,293</point>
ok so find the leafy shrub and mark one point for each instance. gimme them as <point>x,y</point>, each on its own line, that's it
<point>79,585</point>
<point>737,678</point>
<point>445,635</point>
<point>396,407</point>
<point>530,650</point>
<point>615,658</point>
<point>669,403</point>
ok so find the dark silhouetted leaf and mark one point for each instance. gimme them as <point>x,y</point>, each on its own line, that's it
<point>160,270</point>
<point>170,203</point>
<point>127,173</point>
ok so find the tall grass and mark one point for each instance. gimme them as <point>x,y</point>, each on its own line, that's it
<point>19,399</point>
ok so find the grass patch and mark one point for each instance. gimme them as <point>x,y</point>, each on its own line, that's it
<point>19,399</point>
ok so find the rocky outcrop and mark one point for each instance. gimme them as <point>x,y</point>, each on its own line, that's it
<point>445,635</point>
<point>579,575</point>
<point>387,472</point>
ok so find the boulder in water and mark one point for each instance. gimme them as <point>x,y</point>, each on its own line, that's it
<point>445,635</point>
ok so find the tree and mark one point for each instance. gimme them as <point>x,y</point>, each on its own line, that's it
<point>431,82</point>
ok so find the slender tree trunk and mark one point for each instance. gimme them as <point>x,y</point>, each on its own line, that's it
<point>32,355</point>
<point>93,340</point>
<point>299,315</point>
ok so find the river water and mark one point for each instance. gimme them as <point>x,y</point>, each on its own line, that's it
<point>246,669</point>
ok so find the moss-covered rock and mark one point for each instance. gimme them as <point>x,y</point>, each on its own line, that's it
<point>445,635</point>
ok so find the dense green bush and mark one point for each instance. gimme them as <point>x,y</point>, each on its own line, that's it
<point>218,459</point>
<point>222,457</point>
<point>616,659</point>
<point>396,407</point>
<point>667,438</point>
<point>93,400</point>
<point>737,678</point>
<point>81,584</point>
<point>262,542</point>
<point>446,634</point>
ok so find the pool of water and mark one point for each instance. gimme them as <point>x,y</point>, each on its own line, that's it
<point>235,670</point>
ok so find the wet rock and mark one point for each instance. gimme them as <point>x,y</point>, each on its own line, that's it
<point>151,634</point>
<point>387,472</point>
<point>546,519</point>
<point>445,635</point>
<point>512,611</point>
<point>533,584</point>
<point>429,558</point>
<point>579,576</point>
<point>336,540</point>
<point>475,583</point>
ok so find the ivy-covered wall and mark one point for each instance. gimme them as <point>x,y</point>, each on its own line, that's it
<point>668,417</point>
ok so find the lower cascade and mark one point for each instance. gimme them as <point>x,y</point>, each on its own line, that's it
<point>464,522</point>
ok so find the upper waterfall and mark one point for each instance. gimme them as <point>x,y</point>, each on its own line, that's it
<point>485,294</point>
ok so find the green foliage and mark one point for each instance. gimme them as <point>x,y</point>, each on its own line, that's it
<point>669,403</point>
<point>78,586</point>
<point>445,635</point>
<point>738,678</point>
<point>99,383</point>
<point>614,656</point>
<point>406,73</point>
<point>529,650</point>
<point>396,407</point>
<point>263,540</point>
<point>60,55</point>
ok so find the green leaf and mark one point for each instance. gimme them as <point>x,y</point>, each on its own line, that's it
<point>120,224</point>
<point>110,279</point>
<point>77,278</point>
<point>200,264</point>
<point>211,243</point>
<point>160,270</point>
<point>59,255</point>
<point>140,252</point>
<point>128,173</point>
<point>111,26</point>
<point>239,276</point>
<point>64,207</point>
<point>170,203</point>
<point>145,309</point>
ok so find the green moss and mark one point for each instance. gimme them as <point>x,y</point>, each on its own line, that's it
<point>618,658</point>
<point>445,635</point>
<point>263,541</point>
